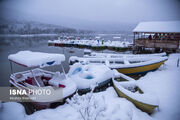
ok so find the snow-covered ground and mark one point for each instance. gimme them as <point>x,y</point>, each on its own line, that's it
<point>107,105</point>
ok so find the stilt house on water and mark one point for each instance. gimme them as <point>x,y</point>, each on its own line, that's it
<point>164,36</point>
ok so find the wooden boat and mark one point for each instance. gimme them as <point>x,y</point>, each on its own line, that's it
<point>126,64</point>
<point>111,55</point>
<point>146,102</point>
<point>86,76</point>
<point>139,65</point>
<point>58,84</point>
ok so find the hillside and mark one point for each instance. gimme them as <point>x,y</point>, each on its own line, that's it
<point>31,27</point>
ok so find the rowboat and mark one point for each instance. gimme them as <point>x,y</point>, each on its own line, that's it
<point>126,64</point>
<point>111,55</point>
<point>130,90</point>
<point>88,76</point>
<point>58,84</point>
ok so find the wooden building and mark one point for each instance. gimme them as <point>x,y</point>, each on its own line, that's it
<point>164,36</point>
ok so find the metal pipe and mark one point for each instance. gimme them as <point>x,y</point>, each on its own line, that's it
<point>63,70</point>
<point>35,78</point>
<point>11,68</point>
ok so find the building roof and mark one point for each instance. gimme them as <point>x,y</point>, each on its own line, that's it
<point>158,26</point>
<point>36,59</point>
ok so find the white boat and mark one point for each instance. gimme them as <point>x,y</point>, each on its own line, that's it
<point>111,55</point>
<point>124,64</point>
<point>88,76</point>
<point>36,78</point>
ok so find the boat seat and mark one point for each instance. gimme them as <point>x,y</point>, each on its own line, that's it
<point>57,79</point>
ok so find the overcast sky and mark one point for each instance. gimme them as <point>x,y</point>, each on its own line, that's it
<point>89,13</point>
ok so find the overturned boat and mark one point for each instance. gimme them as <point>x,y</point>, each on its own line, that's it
<point>128,88</point>
<point>59,85</point>
<point>126,64</point>
<point>88,77</point>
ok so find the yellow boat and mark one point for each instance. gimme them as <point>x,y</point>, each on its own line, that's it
<point>126,64</point>
<point>141,69</point>
<point>128,89</point>
<point>139,66</point>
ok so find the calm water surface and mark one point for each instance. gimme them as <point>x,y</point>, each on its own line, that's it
<point>13,45</point>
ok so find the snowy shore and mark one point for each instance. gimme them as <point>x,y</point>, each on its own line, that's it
<point>108,106</point>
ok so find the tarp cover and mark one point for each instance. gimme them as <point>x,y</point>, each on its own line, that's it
<point>163,26</point>
<point>36,59</point>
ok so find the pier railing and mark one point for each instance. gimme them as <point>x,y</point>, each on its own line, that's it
<point>157,43</point>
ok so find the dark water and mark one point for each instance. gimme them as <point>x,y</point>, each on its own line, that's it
<point>17,44</point>
<point>39,44</point>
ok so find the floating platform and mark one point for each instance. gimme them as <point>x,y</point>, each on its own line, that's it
<point>92,44</point>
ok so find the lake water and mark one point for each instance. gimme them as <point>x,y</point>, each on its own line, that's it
<point>11,45</point>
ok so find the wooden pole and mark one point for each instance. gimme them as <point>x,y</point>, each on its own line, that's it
<point>134,40</point>
<point>178,62</point>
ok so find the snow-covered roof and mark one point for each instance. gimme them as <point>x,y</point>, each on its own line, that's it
<point>163,26</point>
<point>36,59</point>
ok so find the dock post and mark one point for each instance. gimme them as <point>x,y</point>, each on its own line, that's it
<point>178,62</point>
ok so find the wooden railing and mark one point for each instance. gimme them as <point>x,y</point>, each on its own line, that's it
<point>169,44</point>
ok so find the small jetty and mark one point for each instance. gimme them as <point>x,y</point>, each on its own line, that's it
<point>92,44</point>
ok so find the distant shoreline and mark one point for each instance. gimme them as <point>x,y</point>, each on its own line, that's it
<point>27,35</point>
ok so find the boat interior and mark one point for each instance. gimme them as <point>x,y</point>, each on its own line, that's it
<point>128,86</point>
<point>37,77</point>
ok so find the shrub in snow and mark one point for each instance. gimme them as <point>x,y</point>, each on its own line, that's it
<point>87,106</point>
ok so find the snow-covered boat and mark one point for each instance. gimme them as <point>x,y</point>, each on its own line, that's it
<point>124,64</point>
<point>94,44</point>
<point>59,85</point>
<point>128,88</point>
<point>111,55</point>
<point>88,76</point>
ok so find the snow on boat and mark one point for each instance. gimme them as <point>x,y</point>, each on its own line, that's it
<point>86,76</point>
<point>60,86</point>
<point>94,54</point>
<point>125,64</point>
<point>127,88</point>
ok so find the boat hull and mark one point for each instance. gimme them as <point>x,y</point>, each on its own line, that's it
<point>142,106</point>
<point>140,69</point>
<point>97,88</point>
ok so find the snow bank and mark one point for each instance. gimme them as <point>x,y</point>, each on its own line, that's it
<point>35,59</point>
<point>165,84</point>
<point>115,108</point>
<point>12,110</point>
